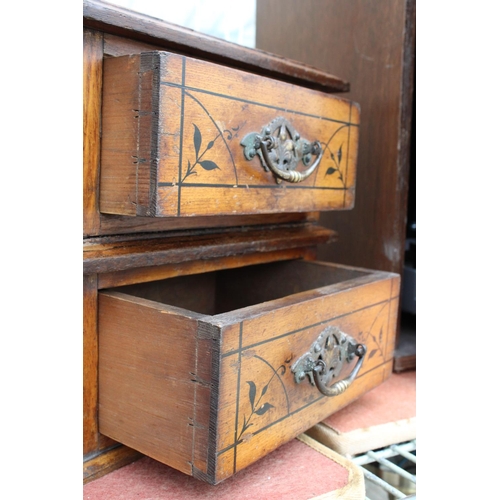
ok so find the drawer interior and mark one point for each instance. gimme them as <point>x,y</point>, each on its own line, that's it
<point>227,290</point>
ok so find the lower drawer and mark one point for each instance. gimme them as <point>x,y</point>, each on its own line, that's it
<point>210,372</point>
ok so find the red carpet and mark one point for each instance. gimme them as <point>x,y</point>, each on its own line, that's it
<point>386,415</point>
<point>295,471</point>
<point>391,401</point>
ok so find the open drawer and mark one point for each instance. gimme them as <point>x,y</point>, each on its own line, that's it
<point>210,372</point>
<point>183,137</point>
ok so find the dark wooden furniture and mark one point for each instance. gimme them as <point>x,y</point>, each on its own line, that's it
<point>202,325</point>
<point>372,45</point>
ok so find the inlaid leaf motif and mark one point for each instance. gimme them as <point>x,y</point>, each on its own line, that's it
<point>264,390</point>
<point>372,353</point>
<point>259,407</point>
<point>190,170</point>
<point>336,157</point>
<point>246,423</point>
<point>251,392</point>
<point>264,408</point>
<point>197,140</point>
<point>208,165</point>
<point>205,164</point>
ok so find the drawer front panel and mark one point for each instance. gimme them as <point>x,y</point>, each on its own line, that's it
<point>173,128</point>
<point>261,405</point>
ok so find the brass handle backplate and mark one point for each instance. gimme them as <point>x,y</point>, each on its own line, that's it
<point>280,150</point>
<point>325,360</point>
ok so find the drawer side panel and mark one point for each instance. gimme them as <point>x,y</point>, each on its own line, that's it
<point>120,131</point>
<point>153,390</point>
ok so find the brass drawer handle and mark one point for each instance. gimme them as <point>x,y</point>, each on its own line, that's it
<point>325,359</point>
<point>280,149</point>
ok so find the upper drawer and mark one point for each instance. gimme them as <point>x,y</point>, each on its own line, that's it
<point>183,137</point>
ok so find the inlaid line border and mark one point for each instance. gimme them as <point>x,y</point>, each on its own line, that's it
<point>179,184</point>
<point>256,103</point>
<point>237,398</point>
<point>389,316</point>
<point>292,332</point>
<point>253,186</point>
<point>348,147</point>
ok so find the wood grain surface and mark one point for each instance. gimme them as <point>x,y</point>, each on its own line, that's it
<point>92,85</point>
<point>90,434</point>
<point>159,398</point>
<point>146,274</point>
<point>121,252</point>
<point>93,441</point>
<point>108,461</point>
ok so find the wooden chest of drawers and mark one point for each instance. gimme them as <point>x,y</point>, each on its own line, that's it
<point>212,336</point>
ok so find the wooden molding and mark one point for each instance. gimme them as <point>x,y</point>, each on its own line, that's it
<point>124,22</point>
<point>119,253</point>
<point>108,461</point>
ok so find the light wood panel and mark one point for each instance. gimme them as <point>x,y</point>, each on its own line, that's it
<point>92,84</point>
<point>128,252</point>
<point>90,434</point>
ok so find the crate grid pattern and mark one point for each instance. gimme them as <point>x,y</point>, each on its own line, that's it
<point>381,457</point>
